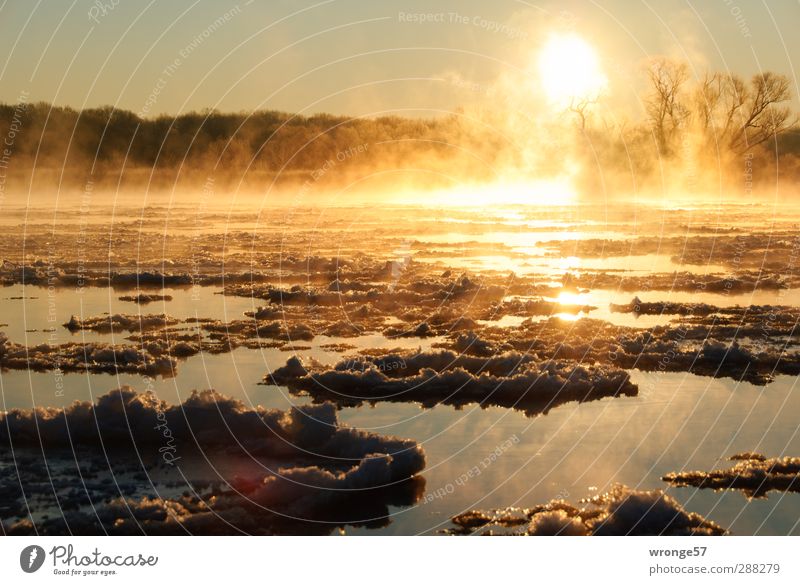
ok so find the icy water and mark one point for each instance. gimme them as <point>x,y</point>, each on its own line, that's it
<point>679,421</point>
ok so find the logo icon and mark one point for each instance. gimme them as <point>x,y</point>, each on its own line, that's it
<point>31,558</point>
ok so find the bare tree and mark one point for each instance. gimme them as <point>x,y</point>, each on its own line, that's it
<point>708,96</point>
<point>762,118</point>
<point>664,107</point>
<point>719,102</point>
<point>739,117</point>
<point>581,107</point>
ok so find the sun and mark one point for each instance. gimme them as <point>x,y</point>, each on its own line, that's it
<point>570,70</point>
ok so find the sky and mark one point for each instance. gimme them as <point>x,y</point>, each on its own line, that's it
<point>359,58</point>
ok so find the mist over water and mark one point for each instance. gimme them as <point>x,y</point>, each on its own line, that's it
<point>522,261</point>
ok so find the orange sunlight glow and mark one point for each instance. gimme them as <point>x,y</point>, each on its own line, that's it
<point>570,71</point>
<point>550,192</point>
<point>570,298</point>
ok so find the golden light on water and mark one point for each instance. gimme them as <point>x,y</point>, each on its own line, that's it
<point>570,298</point>
<point>548,192</point>
<point>568,263</point>
<point>570,70</point>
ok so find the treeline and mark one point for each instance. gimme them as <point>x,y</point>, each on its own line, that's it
<point>106,143</point>
<point>694,134</point>
<point>716,130</point>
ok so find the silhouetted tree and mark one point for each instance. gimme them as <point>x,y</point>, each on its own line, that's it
<point>739,117</point>
<point>664,106</point>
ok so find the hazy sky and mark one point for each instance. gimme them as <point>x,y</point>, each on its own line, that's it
<point>357,57</point>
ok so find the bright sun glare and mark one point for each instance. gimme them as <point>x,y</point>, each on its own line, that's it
<point>570,70</point>
<point>557,191</point>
